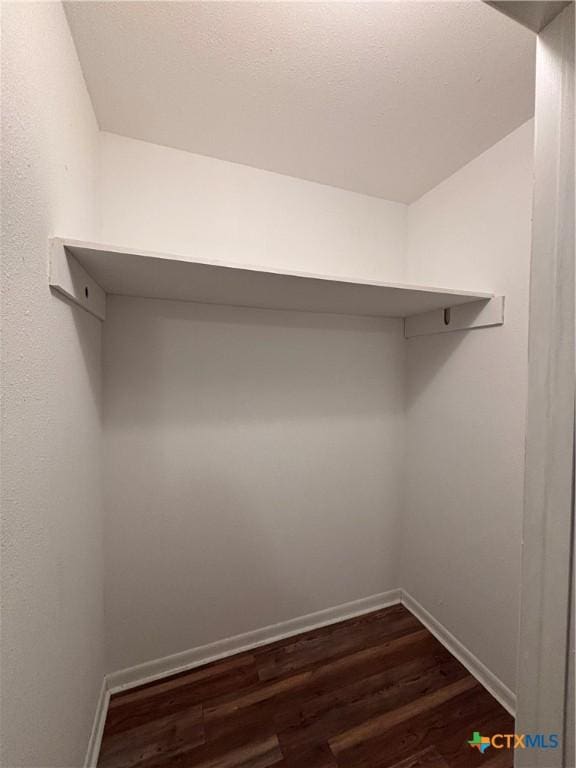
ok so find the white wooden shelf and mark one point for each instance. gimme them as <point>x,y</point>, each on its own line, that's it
<point>86,272</point>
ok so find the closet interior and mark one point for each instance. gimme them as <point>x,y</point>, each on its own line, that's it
<point>275,294</point>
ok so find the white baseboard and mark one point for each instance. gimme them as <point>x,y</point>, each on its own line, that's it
<point>493,684</point>
<point>97,727</point>
<point>195,657</point>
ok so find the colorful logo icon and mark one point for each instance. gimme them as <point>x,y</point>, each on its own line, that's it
<point>514,741</point>
<point>481,743</point>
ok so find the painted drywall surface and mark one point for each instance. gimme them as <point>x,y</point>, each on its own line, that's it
<point>253,468</point>
<point>465,410</point>
<point>166,200</point>
<point>51,534</point>
<point>227,505</point>
<point>385,98</point>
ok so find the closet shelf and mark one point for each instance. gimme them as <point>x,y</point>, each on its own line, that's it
<point>86,272</point>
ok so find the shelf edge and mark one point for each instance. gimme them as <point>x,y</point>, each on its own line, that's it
<point>70,244</point>
<point>464,317</point>
<point>69,278</point>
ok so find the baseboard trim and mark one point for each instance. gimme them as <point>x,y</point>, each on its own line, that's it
<point>196,657</point>
<point>95,739</point>
<point>480,671</point>
<point>157,669</point>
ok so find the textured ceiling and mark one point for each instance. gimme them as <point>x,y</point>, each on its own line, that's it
<point>384,98</point>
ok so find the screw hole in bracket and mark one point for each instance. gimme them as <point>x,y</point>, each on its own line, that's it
<point>86,291</point>
<point>447,316</point>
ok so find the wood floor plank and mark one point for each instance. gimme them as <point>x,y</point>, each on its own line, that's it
<point>340,692</point>
<point>453,744</point>
<point>257,731</point>
<point>502,759</point>
<point>359,711</point>
<point>145,705</point>
<point>382,723</point>
<point>466,711</point>
<point>319,650</point>
<point>258,694</point>
<point>230,704</point>
<point>163,737</point>
<point>381,619</point>
<point>369,658</point>
<point>247,724</point>
<point>259,754</point>
<point>375,691</point>
<point>172,683</point>
<point>311,757</point>
<point>427,758</point>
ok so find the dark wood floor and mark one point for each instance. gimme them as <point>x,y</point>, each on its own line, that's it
<point>374,691</point>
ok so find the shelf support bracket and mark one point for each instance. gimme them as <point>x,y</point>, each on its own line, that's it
<point>464,317</point>
<point>69,278</point>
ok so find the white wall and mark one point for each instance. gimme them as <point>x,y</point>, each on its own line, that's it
<point>271,442</point>
<point>253,467</point>
<point>166,200</point>
<point>466,402</point>
<point>254,459</point>
<point>51,536</point>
